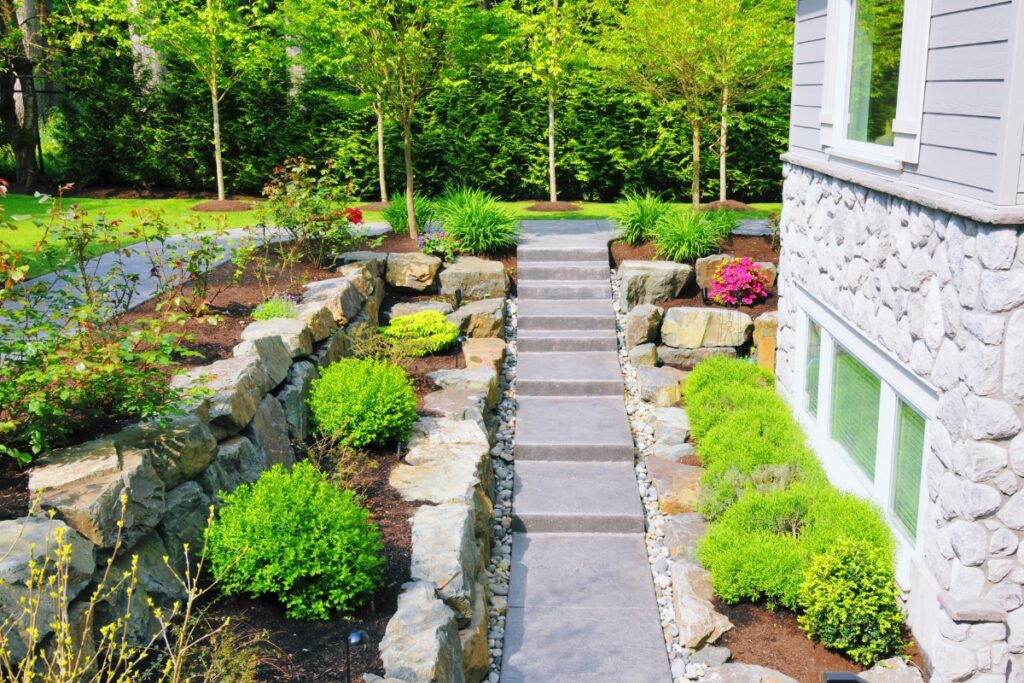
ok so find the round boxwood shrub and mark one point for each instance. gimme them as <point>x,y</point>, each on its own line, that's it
<point>363,401</point>
<point>850,601</point>
<point>419,334</point>
<point>295,535</point>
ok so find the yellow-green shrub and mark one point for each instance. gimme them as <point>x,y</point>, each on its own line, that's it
<point>420,334</point>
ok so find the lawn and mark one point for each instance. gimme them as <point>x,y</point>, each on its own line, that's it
<point>23,210</point>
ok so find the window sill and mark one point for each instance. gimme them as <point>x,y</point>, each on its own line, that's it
<point>862,156</point>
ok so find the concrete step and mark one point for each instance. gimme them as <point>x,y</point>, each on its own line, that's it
<point>569,374</point>
<point>547,254</point>
<point>572,429</point>
<point>567,340</point>
<point>582,607</point>
<point>565,314</point>
<point>579,497</point>
<point>555,289</point>
<point>565,271</point>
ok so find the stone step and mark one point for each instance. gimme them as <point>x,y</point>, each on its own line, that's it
<point>569,374</point>
<point>582,607</point>
<point>565,314</point>
<point>555,289</point>
<point>579,497</point>
<point>547,254</point>
<point>565,271</point>
<point>573,429</point>
<point>567,340</point>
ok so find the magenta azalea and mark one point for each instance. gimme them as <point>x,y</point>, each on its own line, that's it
<point>738,281</point>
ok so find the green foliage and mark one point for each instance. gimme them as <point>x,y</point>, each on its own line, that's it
<point>687,235</point>
<point>296,536</point>
<point>476,222</point>
<point>274,308</point>
<point>420,334</point>
<point>639,214</point>
<point>397,215</point>
<point>850,602</point>
<point>363,401</point>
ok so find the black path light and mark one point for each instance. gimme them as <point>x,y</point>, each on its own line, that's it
<point>352,639</point>
<point>841,677</point>
<point>458,298</point>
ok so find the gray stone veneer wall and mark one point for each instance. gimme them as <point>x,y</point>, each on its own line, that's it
<point>945,295</point>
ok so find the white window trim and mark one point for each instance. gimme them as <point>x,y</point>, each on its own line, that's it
<point>909,99</point>
<point>898,385</point>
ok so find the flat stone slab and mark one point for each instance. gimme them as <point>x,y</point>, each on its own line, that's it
<point>568,340</point>
<point>565,314</point>
<point>557,289</point>
<point>753,227</point>
<point>568,271</point>
<point>569,374</point>
<point>582,497</point>
<point>567,428</point>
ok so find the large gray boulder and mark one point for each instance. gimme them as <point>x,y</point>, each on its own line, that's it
<point>318,318</point>
<point>483,380</point>
<point>269,432</point>
<point>337,346</point>
<point>643,324</point>
<point>85,485</point>
<point>292,331</point>
<point>460,403</point>
<point>274,355</point>
<point>376,260</point>
<point>694,328</point>
<point>238,462</point>
<point>341,296</point>
<point>698,622</point>
<point>477,278</point>
<point>421,643</point>
<point>687,359</point>
<point>412,307</point>
<point>293,398</point>
<point>484,318</point>
<point>26,542</point>
<point>238,385</point>
<point>745,673</point>
<point>649,282</point>
<point>369,284</point>
<point>892,670</point>
<point>671,426</point>
<point>660,386</point>
<point>152,571</point>
<point>643,355</point>
<point>188,511</point>
<point>706,268</point>
<point>444,553</point>
<point>415,270</point>
<point>181,447</point>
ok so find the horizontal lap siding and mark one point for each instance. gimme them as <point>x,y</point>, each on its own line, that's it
<point>962,133</point>
<point>808,73</point>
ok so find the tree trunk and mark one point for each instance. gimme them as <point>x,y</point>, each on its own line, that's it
<point>695,182</point>
<point>379,109</point>
<point>217,159</point>
<point>723,146</point>
<point>22,128</point>
<point>553,188</point>
<point>409,207</point>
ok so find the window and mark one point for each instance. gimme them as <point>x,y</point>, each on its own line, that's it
<point>813,367</point>
<point>874,70</point>
<point>906,476</point>
<point>856,394</point>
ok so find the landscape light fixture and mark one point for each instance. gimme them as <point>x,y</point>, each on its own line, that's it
<point>354,638</point>
<point>458,298</point>
<point>841,677</point>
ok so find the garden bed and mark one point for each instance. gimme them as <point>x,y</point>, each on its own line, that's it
<point>401,243</point>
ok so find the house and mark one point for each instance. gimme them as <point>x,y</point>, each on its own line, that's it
<point>901,322</point>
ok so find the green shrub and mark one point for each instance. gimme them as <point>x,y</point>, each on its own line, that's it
<point>421,333</point>
<point>638,214</point>
<point>477,222</point>
<point>363,402</point>
<point>295,535</point>
<point>717,371</point>
<point>274,308</point>
<point>687,235</point>
<point>397,216</point>
<point>850,602</point>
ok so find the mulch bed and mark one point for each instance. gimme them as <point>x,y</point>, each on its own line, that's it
<point>374,206</point>
<point>554,206</point>
<point>223,206</point>
<point>730,204</point>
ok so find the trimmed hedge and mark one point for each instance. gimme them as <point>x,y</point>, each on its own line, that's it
<point>774,516</point>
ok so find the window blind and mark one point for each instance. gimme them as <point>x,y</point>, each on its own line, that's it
<point>813,367</point>
<point>856,393</point>
<point>906,476</point>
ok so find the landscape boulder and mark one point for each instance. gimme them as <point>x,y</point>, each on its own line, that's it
<point>678,485</point>
<point>484,352</point>
<point>460,404</point>
<point>476,656</point>
<point>238,385</point>
<point>694,328</point>
<point>268,431</point>
<point>444,553</point>
<point>376,260</point>
<point>341,296</point>
<point>671,426</point>
<point>643,323</point>
<point>415,270</point>
<point>477,278</point>
<point>293,332</point>
<point>660,386</point>
<point>337,346</point>
<point>274,356</point>
<point>480,379</point>
<point>369,284</point>
<point>705,268</point>
<point>892,670</point>
<point>649,282</point>
<point>421,643</point>
<point>293,398</point>
<point>318,318</point>
<point>188,511</point>
<point>766,328</point>
<point>683,532</point>
<point>238,462</point>
<point>644,354</point>
<point>412,307</point>
<point>744,673</point>
<point>484,318</point>
<point>698,622</point>
<point>180,446</point>
<point>687,359</point>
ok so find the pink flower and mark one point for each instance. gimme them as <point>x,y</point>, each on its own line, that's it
<point>738,280</point>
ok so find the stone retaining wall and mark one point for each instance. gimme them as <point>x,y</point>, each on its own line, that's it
<point>945,296</point>
<point>146,491</point>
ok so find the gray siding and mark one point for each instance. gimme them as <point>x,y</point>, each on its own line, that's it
<point>963,134</point>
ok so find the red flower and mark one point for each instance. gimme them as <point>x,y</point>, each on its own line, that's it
<point>354,216</point>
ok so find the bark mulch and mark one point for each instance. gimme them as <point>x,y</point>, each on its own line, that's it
<point>223,206</point>
<point>554,206</point>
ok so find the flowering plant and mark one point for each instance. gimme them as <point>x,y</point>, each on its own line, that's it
<point>738,281</point>
<point>437,242</point>
<point>354,215</point>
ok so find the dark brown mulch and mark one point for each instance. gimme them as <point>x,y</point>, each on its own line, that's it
<point>133,192</point>
<point>14,498</point>
<point>730,204</point>
<point>775,640</point>
<point>374,206</point>
<point>225,206</point>
<point>308,651</point>
<point>554,206</point>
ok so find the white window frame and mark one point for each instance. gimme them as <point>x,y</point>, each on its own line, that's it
<point>899,384</point>
<point>834,114</point>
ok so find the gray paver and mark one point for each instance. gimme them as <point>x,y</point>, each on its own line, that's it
<point>558,289</point>
<point>568,374</point>
<point>583,270</point>
<point>565,314</point>
<point>567,340</point>
<point>581,497</point>
<point>572,429</point>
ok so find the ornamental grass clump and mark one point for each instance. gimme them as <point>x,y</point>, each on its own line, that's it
<point>420,334</point>
<point>295,535</point>
<point>739,281</point>
<point>638,215</point>
<point>477,222</point>
<point>362,402</point>
<point>397,215</point>
<point>685,235</point>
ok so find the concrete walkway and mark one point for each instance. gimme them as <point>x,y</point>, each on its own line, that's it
<point>581,604</point>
